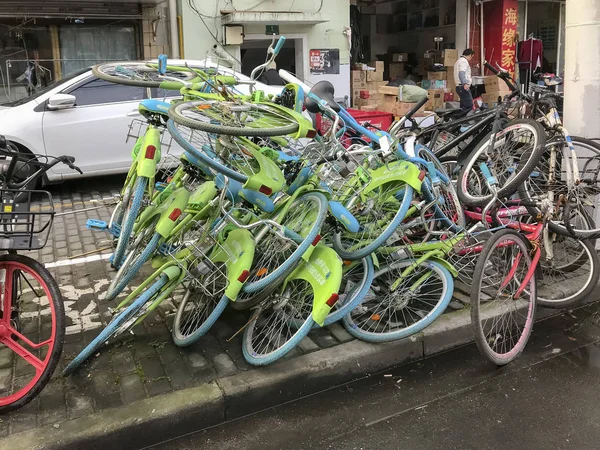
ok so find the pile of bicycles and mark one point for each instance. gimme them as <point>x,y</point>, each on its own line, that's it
<point>372,228</point>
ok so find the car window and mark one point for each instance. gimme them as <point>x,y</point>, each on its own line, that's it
<point>159,93</point>
<point>98,91</point>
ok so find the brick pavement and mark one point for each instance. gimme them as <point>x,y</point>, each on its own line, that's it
<point>138,366</point>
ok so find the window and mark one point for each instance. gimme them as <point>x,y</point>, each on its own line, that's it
<point>98,91</point>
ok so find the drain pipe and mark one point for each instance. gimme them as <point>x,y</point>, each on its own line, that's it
<point>174,35</point>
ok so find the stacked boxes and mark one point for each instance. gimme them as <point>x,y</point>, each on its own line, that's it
<point>495,88</point>
<point>364,89</point>
<point>388,102</point>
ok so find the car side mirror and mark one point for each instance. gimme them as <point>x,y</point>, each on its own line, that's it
<point>61,101</point>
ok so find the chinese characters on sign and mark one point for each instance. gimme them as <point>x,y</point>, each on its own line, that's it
<point>324,61</point>
<point>509,40</point>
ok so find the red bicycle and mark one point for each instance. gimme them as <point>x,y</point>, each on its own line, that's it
<point>512,266</point>
<point>32,317</point>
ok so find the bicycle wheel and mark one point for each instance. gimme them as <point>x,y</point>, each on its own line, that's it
<point>570,275</point>
<point>275,255</point>
<point>502,323</point>
<point>277,327</point>
<point>517,150</point>
<point>141,250</point>
<point>233,118</point>
<point>399,306</point>
<point>379,217</point>
<point>32,328</point>
<point>226,155</point>
<point>576,220</point>
<point>117,324</point>
<point>139,73</point>
<point>356,282</point>
<point>130,216</point>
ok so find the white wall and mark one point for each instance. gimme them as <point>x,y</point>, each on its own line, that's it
<point>198,40</point>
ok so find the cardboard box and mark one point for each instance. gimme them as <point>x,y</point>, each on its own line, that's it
<point>375,85</point>
<point>387,102</point>
<point>389,90</point>
<point>399,57</point>
<point>365,93</point>
<point>369,107</point>
<point>358,77</point>
<point>495,84</point>
<point>377,65</point>
<point>400,109</point>
<point>449,57</point>
<point>374,76</point>
<point>436,75</point>
<point>492,97</point>
<point>396,70</point>
<point>360,102</point>
<point>436,99</point>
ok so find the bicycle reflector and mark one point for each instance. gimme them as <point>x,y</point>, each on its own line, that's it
<point>243,276</point>
<point>311,133</point>
<point>150,152</point>
<point>265,190</point>
<point>332,300</point>
<point>175,214</point>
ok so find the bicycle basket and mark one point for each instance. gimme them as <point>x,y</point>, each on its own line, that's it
<point>138,128</point>
<point>26,224</point>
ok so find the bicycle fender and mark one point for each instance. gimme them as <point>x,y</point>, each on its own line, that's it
<point>344,216</point>
<point>269,178</point>
<point>136,147</point>
<point>300,180</point>
<point>149,154</point>
<point>324,272</point>
<point>446,265</point>
<point>171,210</point>
<point>237,252</point>
<point>399,171</point>
<point>305,126</point>
<point>203,194</point>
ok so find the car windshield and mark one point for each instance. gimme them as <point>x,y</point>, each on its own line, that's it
<point>45,89</point>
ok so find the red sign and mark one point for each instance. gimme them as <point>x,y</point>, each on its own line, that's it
<point>509,40</point>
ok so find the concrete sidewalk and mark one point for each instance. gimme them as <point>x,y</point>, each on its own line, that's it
<point>143,388</point>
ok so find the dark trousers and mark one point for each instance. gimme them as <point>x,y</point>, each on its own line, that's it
<point>466,100</point>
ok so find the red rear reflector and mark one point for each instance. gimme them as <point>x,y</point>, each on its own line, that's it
<point>150,152</point>
<point>243,276</point>
<point>265,190</point>
<point>175,214</point>
<point>332,300</point>
<point>311,134</point>
<point>422,175</point>
<point>317,239</point>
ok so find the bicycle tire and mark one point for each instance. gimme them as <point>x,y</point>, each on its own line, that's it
<point>212,163</point>
<point>558,226</point>
<point>479,275</point>
<point>130,216</point>
<point>443,299</point>
<point>115,325</point>
<point>292,260</point>
<point>383,236</point>
<point>526,165</point>
<point>252,355</point>
<point>175,112</point>
<point>570,298</point>
<point>183,340</point>
<point>130,268</point>
<point>56,304</point>
<point>99,71</point>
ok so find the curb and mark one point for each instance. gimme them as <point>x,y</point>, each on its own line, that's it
<point>166,416</point>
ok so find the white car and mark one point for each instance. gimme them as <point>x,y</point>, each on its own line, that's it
<point>93,126</point>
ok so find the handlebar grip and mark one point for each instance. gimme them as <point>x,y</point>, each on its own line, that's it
<point>162,64</point>
<point>280,43</point>
<point>491,68</point>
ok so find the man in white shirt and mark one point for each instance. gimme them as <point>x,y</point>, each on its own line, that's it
<point>463,80</point>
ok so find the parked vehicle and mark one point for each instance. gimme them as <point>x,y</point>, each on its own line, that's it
<point>87,117</point>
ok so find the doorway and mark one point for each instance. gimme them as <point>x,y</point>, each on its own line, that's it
<point>254,53</point>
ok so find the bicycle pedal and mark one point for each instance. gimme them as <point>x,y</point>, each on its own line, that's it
<point>115,230</point>
<point>94,224</point>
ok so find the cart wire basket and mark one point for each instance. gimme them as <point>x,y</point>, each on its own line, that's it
<point>25,224</point>
<point>138,128</point>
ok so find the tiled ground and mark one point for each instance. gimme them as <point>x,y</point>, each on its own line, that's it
<point>139,366</point>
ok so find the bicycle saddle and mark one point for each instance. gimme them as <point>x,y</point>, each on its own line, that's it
<point>150,106</point>
<point>324,90</point>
